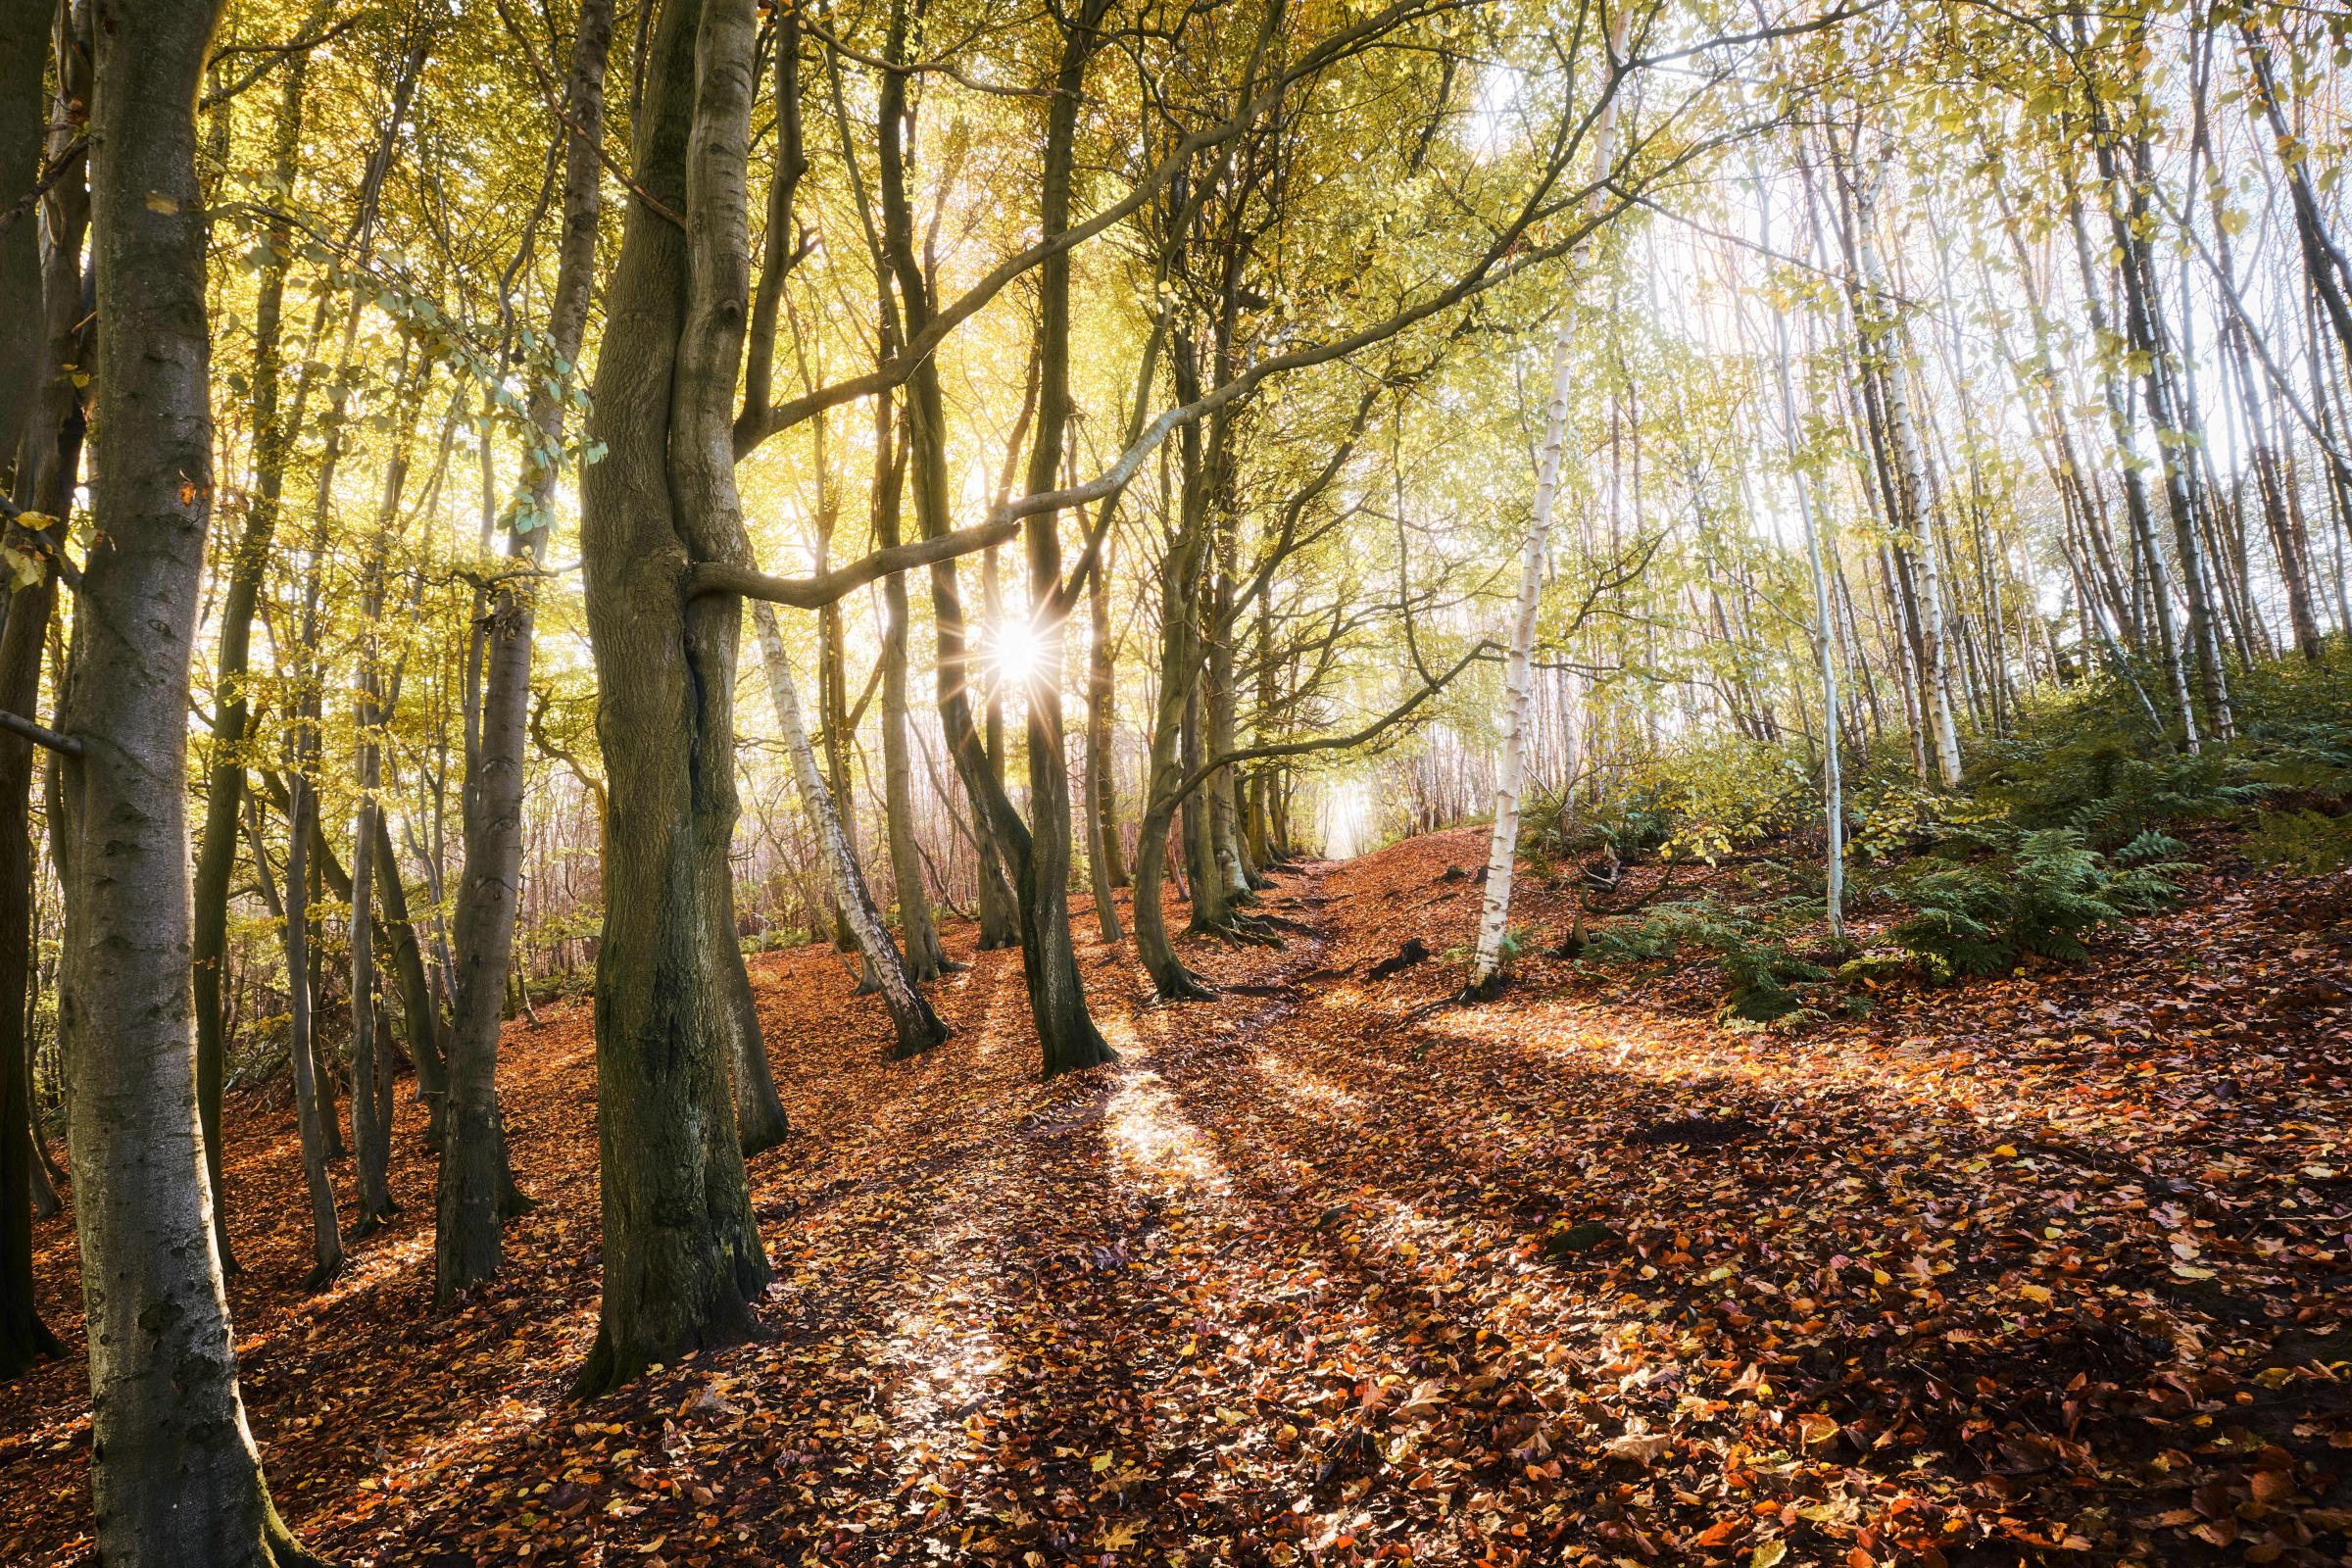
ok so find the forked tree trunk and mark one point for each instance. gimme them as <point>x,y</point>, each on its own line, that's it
<point>1042,866</point>
<point>683,1255</point>
<point>1036,853</point>
<point>1164,769</point>
<point>476,1191</point>
<point>917,1027</point>
<point>174,1474</point>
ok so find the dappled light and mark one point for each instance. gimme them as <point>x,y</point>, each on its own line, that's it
<point>1140,784</point>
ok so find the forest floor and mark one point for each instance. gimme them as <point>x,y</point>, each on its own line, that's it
<point>2055,1267</point>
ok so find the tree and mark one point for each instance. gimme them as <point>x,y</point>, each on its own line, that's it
<point>916,1026</point>
<point>683,1257</point>
<point>476,1183</point>
<point>47,456</point>
<point>175,1471</point>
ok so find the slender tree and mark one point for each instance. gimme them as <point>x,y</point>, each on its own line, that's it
<point>476,1188</point>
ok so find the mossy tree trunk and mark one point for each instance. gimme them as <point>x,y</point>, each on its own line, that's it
<point>683,1257</point>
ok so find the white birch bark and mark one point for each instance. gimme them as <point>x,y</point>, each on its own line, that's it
<point>1511,763</point>
<point>918,1028</point>
<point>1833,786</point>
<point>1518,675</point>
<point>1911,472</point>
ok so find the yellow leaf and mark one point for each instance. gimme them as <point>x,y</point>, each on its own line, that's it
<point>1767,1553</point>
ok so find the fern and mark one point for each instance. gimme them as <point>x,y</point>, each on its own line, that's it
<point>1761,971</point>
<point>2038,895</point>
<point>2305,842</point>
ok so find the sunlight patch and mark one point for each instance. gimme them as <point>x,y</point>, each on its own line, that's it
<point>1151,1137</point>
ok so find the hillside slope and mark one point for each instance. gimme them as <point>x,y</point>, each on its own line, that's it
<point>1331,1270</point>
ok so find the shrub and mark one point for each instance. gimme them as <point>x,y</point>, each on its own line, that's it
<point>1762,972</point>
<point>2037,892</point>
<point>2306,842</point>
<point>1628,825</point>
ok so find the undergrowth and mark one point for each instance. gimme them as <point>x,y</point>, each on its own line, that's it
<point>2069,822</point>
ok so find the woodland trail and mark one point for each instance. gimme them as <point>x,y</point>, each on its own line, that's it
<point>1323,1271</point>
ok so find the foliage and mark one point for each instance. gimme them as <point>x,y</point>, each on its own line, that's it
<point>1761,970</point>
<point>2037,892</point>
<point>1730,796</point>
<point>1626,825</point>
<point>2083,762</point>
<point>2306,842</point>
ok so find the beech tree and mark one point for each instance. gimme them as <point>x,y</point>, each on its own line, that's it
<point>175,1474</point>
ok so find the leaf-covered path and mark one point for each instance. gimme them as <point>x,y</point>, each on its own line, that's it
<point>1329,1271</point>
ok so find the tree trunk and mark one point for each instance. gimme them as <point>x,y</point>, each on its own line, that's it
<point>2125,192</point>
<point>312,1117</point>
<point>1833,788</point>
<point>232,710</point>
<point>1037,852</point>
<point>2150,564</point>
<point>918,1027</point>
<point>24,1338</point>
<point>1503,847</point>
<point>1102,694</point>
<point>47,452</point>
<point>1104,873</point>
<point>420,1017</point>
<point>174,1474</point>
<point>1885,346</point>
<point>24,38</point>
<point>1164,768</point>
<point>476,1188</point>
<point>371,1078</point>
<point>926,958</point>
<point>683,1255</point>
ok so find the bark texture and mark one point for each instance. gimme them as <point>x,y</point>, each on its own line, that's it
<point>174,1473</point>
<point>917,1027</point>
<point>682,1256</point>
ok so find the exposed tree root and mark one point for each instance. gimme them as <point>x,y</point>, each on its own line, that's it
<point>1486,990</point>
<point>1183,986</point>
<point>1247,930</point>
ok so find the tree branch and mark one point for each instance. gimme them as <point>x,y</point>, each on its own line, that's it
<point>39,734</point>
<point>1332,743</point>
<point>814,593</point>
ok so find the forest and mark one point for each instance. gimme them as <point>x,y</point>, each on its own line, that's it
<point>1277,782</point>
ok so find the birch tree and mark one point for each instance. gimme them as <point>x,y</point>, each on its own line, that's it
<point>1511,763</point>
